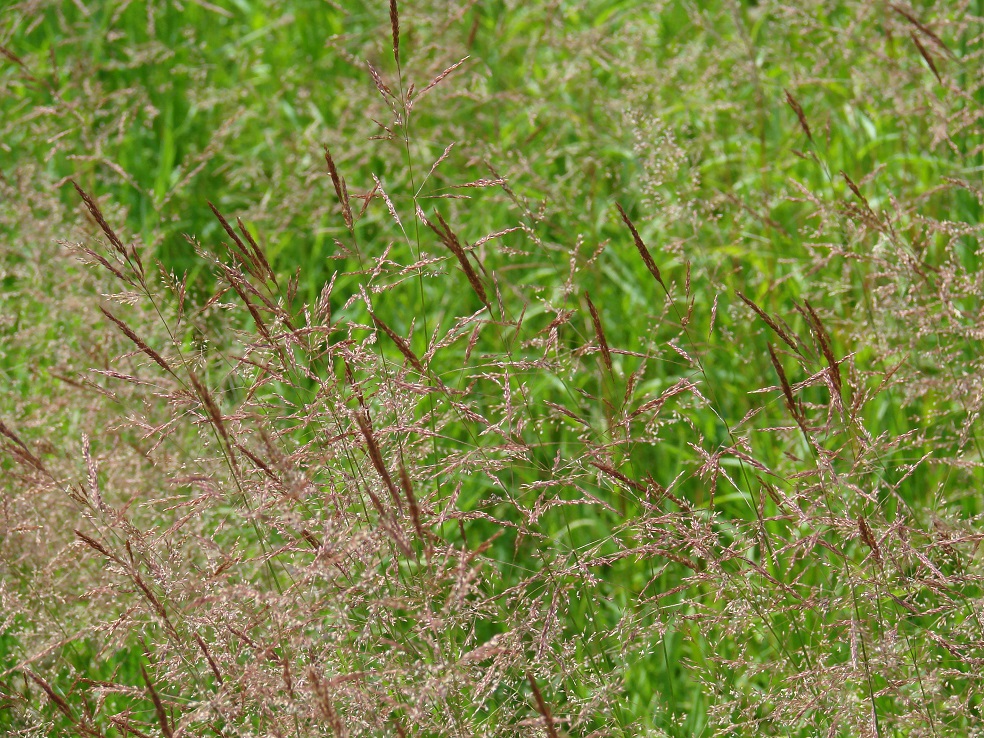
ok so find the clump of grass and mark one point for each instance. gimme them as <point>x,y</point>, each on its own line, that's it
<point>337,467</point>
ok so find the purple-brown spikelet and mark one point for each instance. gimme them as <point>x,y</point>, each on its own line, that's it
<point>325,705</point>
<point>96,545</point>
<point>162,717</point>
<point>9,434</point>
<point>239,285</point>
<point>7,53</point>
<point>407,485</point>
<point>20,449</point>
<point>869,538</point>
<point>257,252</point>
<point>400,342</point>
<point>449,239</point>
<point>856,190</point>
<point>286,676</point>
<point>376,457</point>
<point>152,598</point>
<point>377,78</point>
<point>825,347</point>
<point>341,191</point>
<point>243,253</point>
<point>395,29</point>
<point>458,250</point>
<point>208,402</point>
<point>441,77</point>
<point>641,247</point>
<point>208,657</point>
<point>105,263</point>
<point>237,280</point>
<point>130,255</point>
<point>800,115</point>
<point>260,463</point>
<point>925,55</point>
<point>97,215</point>
<point>606,354</point>
<point>616,474</point>
<point>542,707</point>
<point>90,464</point>
<point>140,344</point>
<point>787,391</point>
<point>312,539</point>
<point>657,491</point>
<point>777,329</point>
<point>127,727</point>
<point>922,27</point>
<point>56,698</point>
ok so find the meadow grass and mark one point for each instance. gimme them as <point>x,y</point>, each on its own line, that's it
<point>490,368</point>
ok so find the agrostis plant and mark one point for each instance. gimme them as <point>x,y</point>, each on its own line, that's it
<point>669,427</point>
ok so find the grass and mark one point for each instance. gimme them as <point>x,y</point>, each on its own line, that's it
<point>623,382</point>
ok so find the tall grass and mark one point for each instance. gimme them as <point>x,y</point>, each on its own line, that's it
<point>498,369</point>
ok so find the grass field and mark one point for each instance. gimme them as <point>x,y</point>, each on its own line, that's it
<point>491,368</point>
